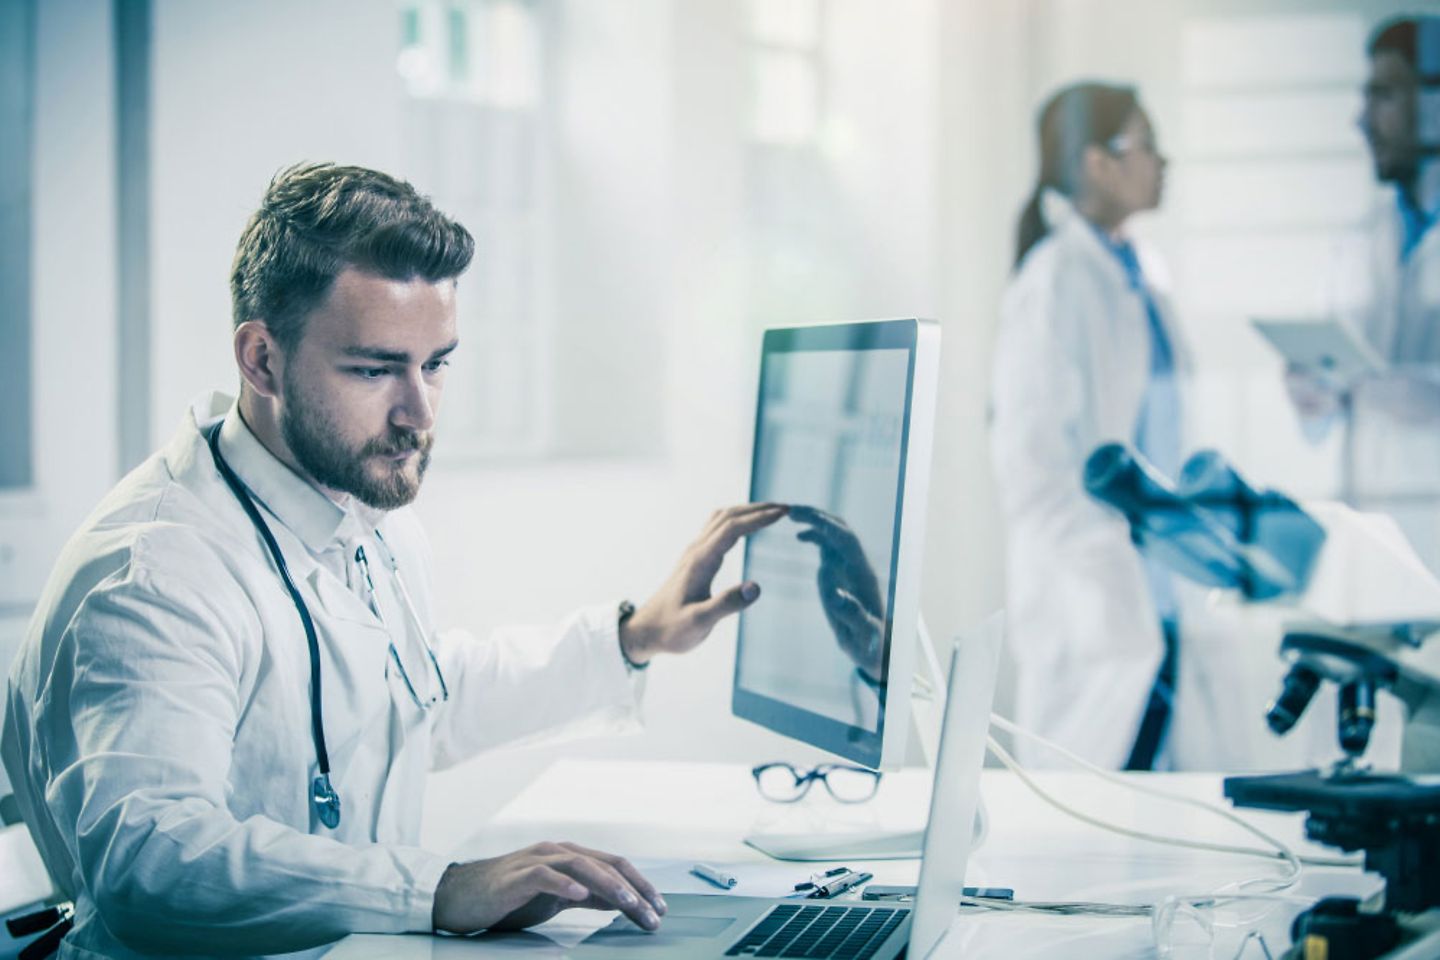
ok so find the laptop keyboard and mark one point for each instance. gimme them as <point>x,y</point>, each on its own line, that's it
<point>841,933</point>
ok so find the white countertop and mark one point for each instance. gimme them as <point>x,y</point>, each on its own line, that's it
<point>663,816</point>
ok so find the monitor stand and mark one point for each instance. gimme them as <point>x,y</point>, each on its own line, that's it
<point>927,710</point>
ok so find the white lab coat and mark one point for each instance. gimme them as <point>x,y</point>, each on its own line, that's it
<point>1392,446</point>
<point>1071,368</point>
<point>158,724</point>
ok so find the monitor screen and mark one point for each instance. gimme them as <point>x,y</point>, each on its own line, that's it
<point>831,438</point>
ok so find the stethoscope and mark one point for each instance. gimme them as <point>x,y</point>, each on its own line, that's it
<point>322,793</point>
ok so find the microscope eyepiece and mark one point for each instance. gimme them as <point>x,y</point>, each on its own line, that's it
<point>1357,715</point>
<point>1295,695</point>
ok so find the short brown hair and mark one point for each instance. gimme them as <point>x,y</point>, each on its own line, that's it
<point>1399,35</point>
<point>317,219</point>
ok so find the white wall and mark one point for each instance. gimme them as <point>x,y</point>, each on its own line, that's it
<point>615,181</point>
<point>240,91</point>
<point>984,169</point>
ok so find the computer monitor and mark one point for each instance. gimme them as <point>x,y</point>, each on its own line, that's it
<point>843,434</point>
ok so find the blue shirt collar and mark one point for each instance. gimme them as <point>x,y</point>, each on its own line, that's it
<point>1415,221</point>
<point>1419,210</point>
<point>1124,251</point>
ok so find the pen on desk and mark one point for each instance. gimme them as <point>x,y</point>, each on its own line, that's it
<point>711,875</point>
<point>816,878</point>
<point>839,885</point>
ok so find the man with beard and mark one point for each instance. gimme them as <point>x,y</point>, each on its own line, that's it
<point>220,723</point>
<point>1389,288</point>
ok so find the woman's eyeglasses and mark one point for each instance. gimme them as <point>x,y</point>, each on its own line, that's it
<point>782,783</point>
<point>1122,144</point>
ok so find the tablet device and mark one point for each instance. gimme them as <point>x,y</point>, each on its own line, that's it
<point>1326,346</point>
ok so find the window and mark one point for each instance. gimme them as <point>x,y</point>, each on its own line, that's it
<point>796,210</point>
<point>786,70</point>
<point>1273,185</point>
<point>472,136</point>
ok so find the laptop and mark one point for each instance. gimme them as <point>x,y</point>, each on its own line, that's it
<point>698,926</point>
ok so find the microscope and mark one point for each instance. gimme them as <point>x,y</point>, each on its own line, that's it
<point>1364,606</point>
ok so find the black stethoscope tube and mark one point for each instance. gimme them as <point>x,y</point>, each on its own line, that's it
<point>323,796</point>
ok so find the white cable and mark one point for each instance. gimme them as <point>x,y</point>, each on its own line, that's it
<point>1281,851</point>
<point>1164,913</point>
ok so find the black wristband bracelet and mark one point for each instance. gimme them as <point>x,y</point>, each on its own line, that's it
<point>627,610</point>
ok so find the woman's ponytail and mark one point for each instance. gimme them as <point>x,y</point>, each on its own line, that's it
<point>1032,227</point>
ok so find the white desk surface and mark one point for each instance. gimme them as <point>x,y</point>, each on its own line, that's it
<point>663,816</point>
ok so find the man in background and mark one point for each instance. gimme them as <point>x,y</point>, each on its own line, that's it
<point>1390,291</point>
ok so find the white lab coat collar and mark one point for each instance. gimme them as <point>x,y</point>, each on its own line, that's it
<point>313,517</point>
<point>1056,208</point>
<point>1059,213</point>
<point>1427,186</point>
<point>1061,217</point>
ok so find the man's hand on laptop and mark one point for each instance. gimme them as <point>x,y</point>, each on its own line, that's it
<point>682,612</point>
<point>530,886</point>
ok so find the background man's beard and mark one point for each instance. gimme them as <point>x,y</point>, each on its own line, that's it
<point>1402,173</point>
<point>313,440</point>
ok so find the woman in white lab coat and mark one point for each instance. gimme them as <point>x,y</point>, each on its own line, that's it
<point>1087,353</point>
